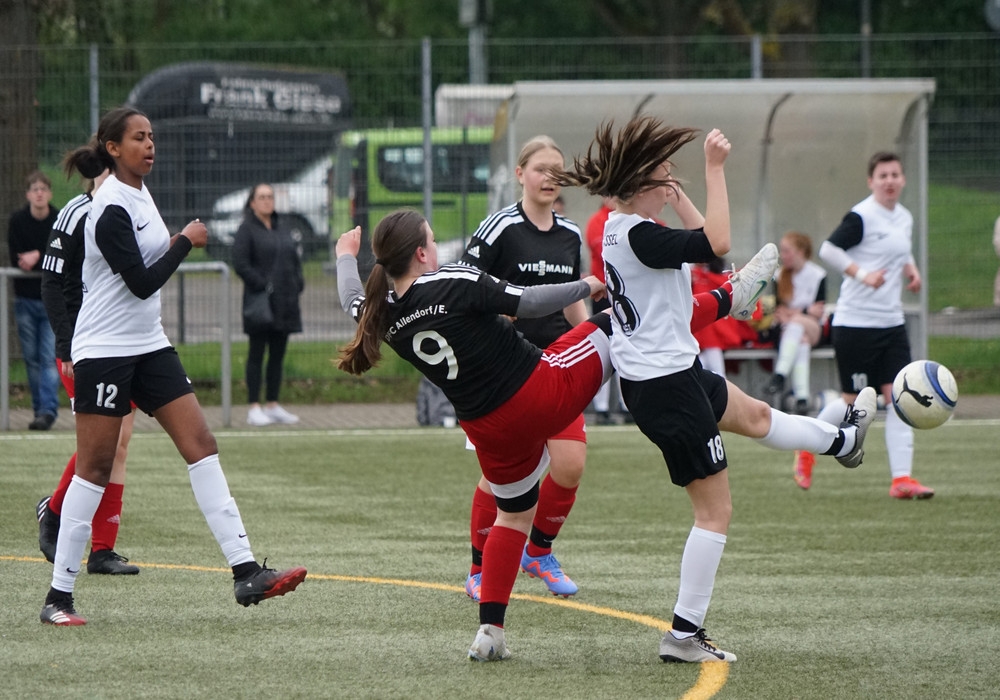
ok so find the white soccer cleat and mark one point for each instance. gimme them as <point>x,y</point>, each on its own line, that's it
<point>694,649</point>
<point>751,281</point>
<point>861,414</point>
<point>489,644</point>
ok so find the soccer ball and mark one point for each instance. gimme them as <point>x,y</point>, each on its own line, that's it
<point>924,394</point>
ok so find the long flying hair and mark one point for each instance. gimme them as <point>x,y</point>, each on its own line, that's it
<point>621,164</point>
<point>394,241</point>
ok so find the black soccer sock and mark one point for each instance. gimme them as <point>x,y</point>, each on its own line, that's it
<point>241,572</point>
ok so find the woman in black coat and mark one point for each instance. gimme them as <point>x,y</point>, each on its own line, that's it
<point>266,257</point>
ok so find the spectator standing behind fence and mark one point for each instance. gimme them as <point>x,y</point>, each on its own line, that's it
<point>27,236</point>
<point>267,258</point>
<point>796,329</point>
<point>872,248</point>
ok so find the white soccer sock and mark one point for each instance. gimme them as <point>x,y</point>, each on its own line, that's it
<point>788,348</point>
<point>799,433</point>
<point>800,372</point>
<point>899,444</point>
<point>702,554</point>
<point>212,494</point>
<point>79,506</point>
<point>834,412</point>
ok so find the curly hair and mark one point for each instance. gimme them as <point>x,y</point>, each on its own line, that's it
<point>623,164</point>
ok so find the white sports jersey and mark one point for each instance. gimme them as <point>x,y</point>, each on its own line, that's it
<point>114,322</point>
<point>806,286</point>
<point>651,305</point>
<point>885,244</point>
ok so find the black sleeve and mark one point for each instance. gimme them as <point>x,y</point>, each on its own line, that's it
<point>62,253</point>
<point>849,233</point>
<point>116,240</point>
<point>660,247</point>
<point>821,292</point>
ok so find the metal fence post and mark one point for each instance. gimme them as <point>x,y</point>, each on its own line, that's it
<point>225,327</point>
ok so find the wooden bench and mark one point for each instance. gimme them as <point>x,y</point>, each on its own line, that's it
<point>756,364</point>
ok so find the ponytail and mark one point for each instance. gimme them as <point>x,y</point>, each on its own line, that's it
<point>394,242</point>
<point>365,350</point>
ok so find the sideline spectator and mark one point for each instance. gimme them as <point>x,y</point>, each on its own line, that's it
<point>27,236</point>
<point>268,259</point>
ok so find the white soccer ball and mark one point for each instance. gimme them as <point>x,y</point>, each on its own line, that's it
<point>924,394</point>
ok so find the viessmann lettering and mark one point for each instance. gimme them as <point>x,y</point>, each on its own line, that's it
<point>433,310</point>
<point>543,268</point>
<point>265,95</point>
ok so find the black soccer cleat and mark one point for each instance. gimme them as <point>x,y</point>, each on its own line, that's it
<point>61,614</point>
<point>107,561</point>
<point>48,529</point>
<point>268,583</point>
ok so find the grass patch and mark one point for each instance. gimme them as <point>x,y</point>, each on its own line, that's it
<point>838,592</point>
<point>973,361</point>
<point>961,261</point>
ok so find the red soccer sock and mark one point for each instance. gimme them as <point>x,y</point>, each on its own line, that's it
<point>484,514</point>
<point>501,562</point>
<point>554,504</point>
<point>55,503</point>
<point>107,518</point>
<point>706,308</point>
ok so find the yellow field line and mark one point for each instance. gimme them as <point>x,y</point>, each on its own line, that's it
<point>711,678</point>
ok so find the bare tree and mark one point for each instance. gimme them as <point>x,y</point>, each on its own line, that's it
<point>19,68</point>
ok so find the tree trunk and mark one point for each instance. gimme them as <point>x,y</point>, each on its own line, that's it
<point>19,72</point>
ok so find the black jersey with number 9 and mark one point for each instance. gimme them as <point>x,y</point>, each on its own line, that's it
<point>447,326</point>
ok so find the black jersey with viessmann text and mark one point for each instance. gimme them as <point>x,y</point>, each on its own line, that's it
<point>447,326</point>
<point>508,246</point>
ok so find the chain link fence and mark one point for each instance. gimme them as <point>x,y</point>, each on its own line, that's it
<point>336,127</point>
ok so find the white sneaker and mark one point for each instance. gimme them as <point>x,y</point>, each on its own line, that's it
<point>279,415</point>
<point>751,281</point>
<point>861,414</point>
<point>257,417</point>
<point>489,644</point>
<point>693,649</point>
